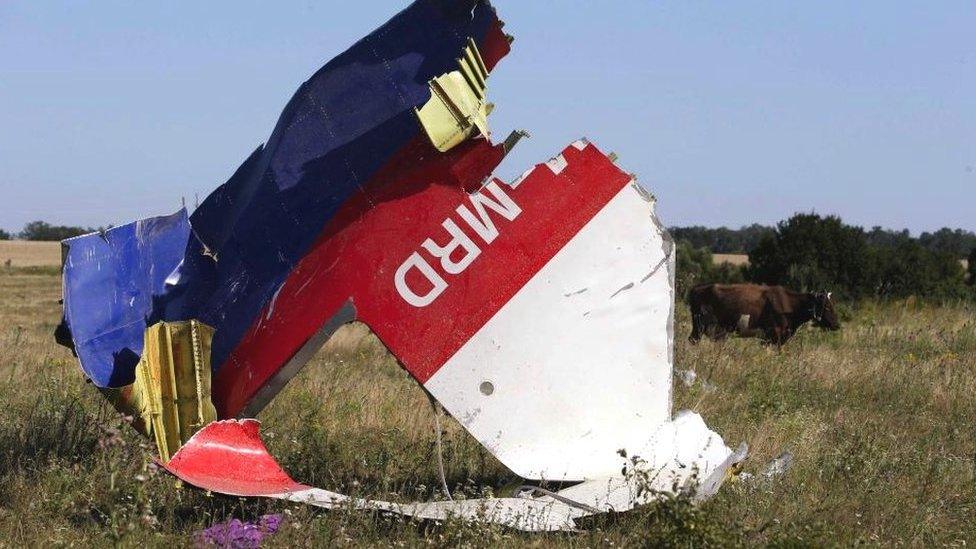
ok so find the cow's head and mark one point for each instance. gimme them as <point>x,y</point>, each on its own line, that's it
<point>824,315</point>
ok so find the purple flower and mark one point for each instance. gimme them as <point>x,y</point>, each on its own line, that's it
<point>271,523</point>
<point>237,534</point>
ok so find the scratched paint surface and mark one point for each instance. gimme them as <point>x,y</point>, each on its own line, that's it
<point>542,290</point>
<point>539,312</point>
<point>352,119</point>
<point>111,281</point>
<point>576,366</point>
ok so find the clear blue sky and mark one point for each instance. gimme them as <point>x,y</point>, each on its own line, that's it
<point>730,112</point>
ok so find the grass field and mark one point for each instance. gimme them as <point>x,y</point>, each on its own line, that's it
<point>880,417</point>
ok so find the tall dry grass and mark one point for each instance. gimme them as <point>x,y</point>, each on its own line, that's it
<point>879,416</point>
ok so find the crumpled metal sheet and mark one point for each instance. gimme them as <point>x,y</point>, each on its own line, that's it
<point>172,385</point>
<point>685,452</point>
<point>517,297</point>
<point>112,283</point>
<point>538,312</point>
<point>565,314</point>
<point>351,122</point>
<point>202,462</point>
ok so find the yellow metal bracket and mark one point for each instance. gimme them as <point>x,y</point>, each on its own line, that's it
<point>172,388</point>
<point>457,106</point>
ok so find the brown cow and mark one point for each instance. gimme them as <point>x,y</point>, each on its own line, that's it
<point>772,313</point>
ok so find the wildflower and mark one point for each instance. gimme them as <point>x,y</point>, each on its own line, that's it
<point>239,534</point>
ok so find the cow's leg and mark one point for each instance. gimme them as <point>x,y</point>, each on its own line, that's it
<point>785,334</point>
<point>696,328</point>
<point>780,338</point>
<point>779,334</point>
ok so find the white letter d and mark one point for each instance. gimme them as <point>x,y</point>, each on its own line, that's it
<point>415,261</point>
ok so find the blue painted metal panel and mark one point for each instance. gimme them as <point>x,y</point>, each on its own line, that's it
<point>337,131</point>
<point>112,283</point>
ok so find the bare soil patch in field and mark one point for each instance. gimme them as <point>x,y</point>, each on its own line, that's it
<point>743,259</point>
<point>23,253</point>
<point>732,259</point>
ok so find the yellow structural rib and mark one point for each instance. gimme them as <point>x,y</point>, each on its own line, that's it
<point>172,385</point>
<point>457,106</point>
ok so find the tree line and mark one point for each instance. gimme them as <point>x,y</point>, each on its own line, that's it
<point>723,240</point>
<point>42,230</point>
<point>805,252</point>
<point>810,252</point>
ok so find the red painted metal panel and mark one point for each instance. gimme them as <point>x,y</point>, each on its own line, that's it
<point>229,457</point>
<point>358,257</point>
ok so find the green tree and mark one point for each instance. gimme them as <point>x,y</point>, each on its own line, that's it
<point>42,230</point>
<point>955,241</point>
<point>911,268</point>
<point>886,238</point>
<point>809,252</point>
<point>4,235</point>
<point>722,240</point>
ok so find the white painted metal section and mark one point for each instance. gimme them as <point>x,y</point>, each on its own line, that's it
<point>577,365</point>
<point>531,515</point>
<point>683,454</point>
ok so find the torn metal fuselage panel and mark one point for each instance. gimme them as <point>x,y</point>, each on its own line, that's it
<point>538,312</point>
<point>681,447</point>
<point>256,474</point>
<point>551,297</point>
<point>346,127</point>
<point>113,283</point>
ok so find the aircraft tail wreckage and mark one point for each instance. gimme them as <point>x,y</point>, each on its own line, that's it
<point>538,312</point>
